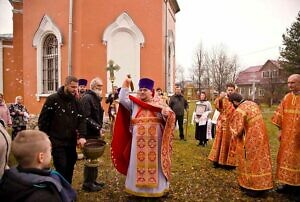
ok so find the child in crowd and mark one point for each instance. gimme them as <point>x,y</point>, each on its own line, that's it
<point>32,180</point>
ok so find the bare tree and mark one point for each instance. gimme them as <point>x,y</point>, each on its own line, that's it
<point>213,69</point>
<point>207,78</point>
<point>192,74</point>
<point>223,68</point>
<point>179,75</point>
<point>234,67</point>
<point>199,66</point>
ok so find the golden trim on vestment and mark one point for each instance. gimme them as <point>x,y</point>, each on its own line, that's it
<point>294,98</point>
<point>146,194</point>
<point>146,185</point>
<point>290,169</point>
<point>277,125</point>
<point>147,149</point>
<point>260,175</point>
<point>263,189</point>
<point>286,182</point>
<point>146,120</point>
<point>292,111</point>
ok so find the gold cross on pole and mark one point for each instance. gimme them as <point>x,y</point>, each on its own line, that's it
<point>112,67</point>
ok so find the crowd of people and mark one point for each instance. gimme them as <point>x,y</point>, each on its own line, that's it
<point>141,146</point>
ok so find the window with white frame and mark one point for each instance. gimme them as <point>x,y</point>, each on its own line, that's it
<point>47,41</point>
<point>50,64</point>
<point>261,92</point>
<point>270,74</point>
<point>250,91</point>
<point>266,74</point>
<point>242,90</point>
<point>274,73</point>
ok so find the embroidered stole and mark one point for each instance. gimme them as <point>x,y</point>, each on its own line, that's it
<point>147,124</point>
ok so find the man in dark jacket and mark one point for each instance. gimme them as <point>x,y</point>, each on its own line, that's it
<point>110,99</point>
<point>178,104</point>
<point>61,119</point>
<point>93,113</point>
<point>32,180</point>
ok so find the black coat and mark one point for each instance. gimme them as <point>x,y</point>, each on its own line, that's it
<point>62,119</point>
<point>178,104</point>
<point>110,99</point>
<point>93,113</point>
<point>17,119</point>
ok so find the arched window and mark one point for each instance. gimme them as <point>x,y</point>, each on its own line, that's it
<point>124,40</point>
<point>170,62</point>
<point>50,64</point>
<point>47,41</point>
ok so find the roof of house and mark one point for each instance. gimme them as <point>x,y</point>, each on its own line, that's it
<point>252,69</point>
<point>251,73</point>
<point>254,73</point>
<point>275,63</point>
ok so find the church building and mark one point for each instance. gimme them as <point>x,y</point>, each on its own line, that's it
<point>56,38</point>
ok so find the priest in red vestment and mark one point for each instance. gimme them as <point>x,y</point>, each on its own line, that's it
<point>142,141</point>
<point>222,153</point>
<point>253,148</point>
<point>287,119</point>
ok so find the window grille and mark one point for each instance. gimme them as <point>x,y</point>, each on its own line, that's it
<point>250,91</point>
<point>266,74</point>
<point>242,91</point>
<point>275,73</point>
<point>50,64</point>
<point>261,92</point>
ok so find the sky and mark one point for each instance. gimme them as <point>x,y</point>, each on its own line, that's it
<point>250,29</point>
<point>5,17</point>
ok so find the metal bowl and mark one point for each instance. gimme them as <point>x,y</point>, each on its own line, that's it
<point>93,148</point>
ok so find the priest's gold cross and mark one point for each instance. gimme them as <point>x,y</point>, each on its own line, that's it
<point>112,67</point>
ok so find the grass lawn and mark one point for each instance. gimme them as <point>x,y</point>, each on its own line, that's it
<point>193,177</point>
